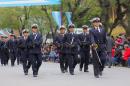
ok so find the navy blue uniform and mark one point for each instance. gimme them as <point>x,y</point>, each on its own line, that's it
<point>99,37</point>
<point>4,53</point>
<point>84,42</point>
<point>18,53</point>
<point>34,43</point>
<point>22,44</point>
<point>11,44</point>
<point>71,41</point>
<point>58,41</point>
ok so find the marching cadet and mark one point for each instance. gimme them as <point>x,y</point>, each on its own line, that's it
<point>11,44</point>
<point>99,46</point>
<point>4,51</point>
<point>18,53</point>
<point>71,41</point>
<point>84,42</point>
<point>34,43</point>
<point>58,41</point>
<point>22,44</point>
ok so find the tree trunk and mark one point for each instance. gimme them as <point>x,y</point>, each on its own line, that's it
<point>128,29</point>
<point>50,21</point>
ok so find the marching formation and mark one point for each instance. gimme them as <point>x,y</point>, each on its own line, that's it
<point>70,47</point>
<point>27,50</point>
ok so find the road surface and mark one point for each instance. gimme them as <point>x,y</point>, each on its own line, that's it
<point>50,75</point>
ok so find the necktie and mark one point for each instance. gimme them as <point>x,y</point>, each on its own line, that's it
<point>35,36</point>
<point>84,34</point>
<point>62,35</point>
<point>25,38</point>
<point>99,30</point>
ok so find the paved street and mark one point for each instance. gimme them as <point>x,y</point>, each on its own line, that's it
<point>50,75</point>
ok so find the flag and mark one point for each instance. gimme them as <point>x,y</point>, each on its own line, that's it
<point>69,17</point>
<point>57,17</point>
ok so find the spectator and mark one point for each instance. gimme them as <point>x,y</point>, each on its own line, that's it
<point>110,44</point>
<point>118,55</point>
<point>126,55</point>
<point>53,55</point>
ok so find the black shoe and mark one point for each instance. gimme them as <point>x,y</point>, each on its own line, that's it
<point>109,66</point>
<point>4,64</point>
<point>26,73</point>
<point>71,73</point>
<point>17,63</point>
<point>100,73</point>
<point>66,71</point>
<point>80,69</point>
<point>12,65</point>
<point>86,71</point>
<point>62,71</point>
<point>96,76</point>
<point>34,75</point>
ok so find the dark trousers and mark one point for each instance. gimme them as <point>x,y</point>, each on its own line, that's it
<point>25,61</point>
<point>18,60</point>
<point>102,56</point>
<point>98,65</point>
<point>63,62</point>
<point>85,56</point>
<point>124,63</point>
<point>18,55</point>
<point>4,58</point>
<point>26,64</point>
<point>13,58</point>
<point>36,61</point>
<point>72,62</point>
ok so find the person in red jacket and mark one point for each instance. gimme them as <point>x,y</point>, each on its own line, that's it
<point>113,52</point>
<point>126,54</point>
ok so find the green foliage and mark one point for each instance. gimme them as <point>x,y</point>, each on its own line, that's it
<point>82,12</point>
<point>8,18</point>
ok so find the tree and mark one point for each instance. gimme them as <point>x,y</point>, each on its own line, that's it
<point>9,18</point>
<point>82,10</point>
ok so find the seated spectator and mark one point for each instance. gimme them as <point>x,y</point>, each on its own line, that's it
<point>118,55</point>
<point>45,55</point>
<point>53,55</point>
<point>126,55</point>
<point>113,52</point>
<point>119,41</point>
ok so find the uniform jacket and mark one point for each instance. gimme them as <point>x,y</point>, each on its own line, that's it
<point>12,45</point>
<point>71,43</point>
<point>22,44</point>
<point>34,43</point>
<point>99,38</point>
<point>58,41</point>
<point>84,41</point>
